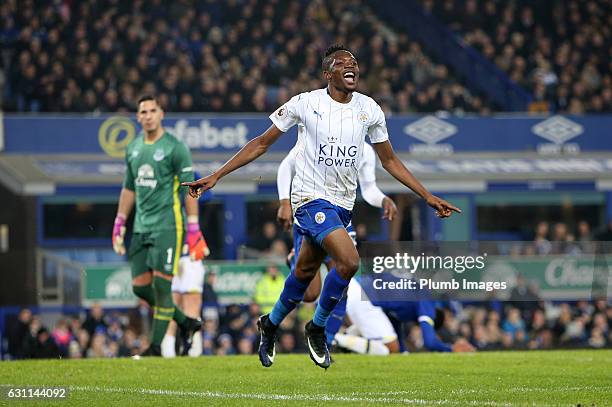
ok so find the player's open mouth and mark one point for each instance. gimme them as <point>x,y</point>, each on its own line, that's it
<point>349,77</point>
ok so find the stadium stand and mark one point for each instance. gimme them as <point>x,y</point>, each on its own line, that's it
<point>97,56</point>
<point>560,50</point>
<point>249,56</point>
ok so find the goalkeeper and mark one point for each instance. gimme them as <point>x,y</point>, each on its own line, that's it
<point>156,164</point>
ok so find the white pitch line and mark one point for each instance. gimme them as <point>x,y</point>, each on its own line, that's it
<point>354,397</point>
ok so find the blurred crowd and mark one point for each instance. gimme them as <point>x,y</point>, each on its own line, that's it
<point>558,238</point>
<point>208,56</point>
<point>522,322</point>
<point>527,323</point>
<point>559,50</point>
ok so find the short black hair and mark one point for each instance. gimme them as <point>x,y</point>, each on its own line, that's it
<point>145,98</point>
<point>329,52</point>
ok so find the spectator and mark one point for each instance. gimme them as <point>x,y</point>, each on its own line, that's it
<point>245,346</point>
<point>18,331</point>
<point>287,343</point>
<point>95,320</point>
<point>225,346</point>
<point>98,347</point>
<point>44,346</point>
<point>514,326</point>
<point>268,288</point>
<point>542,244</point>
<point>264,240</point>
<point>524,298</point>
<point>62,337</point>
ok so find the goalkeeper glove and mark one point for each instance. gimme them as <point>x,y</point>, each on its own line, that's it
<point>198,249</point>
<point>119,235</point>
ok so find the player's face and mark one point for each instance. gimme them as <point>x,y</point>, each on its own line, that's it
<point>344,73</point>
<point>150,115</point>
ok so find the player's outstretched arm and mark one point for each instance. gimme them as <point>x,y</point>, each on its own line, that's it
<point>251,151</point>
<point>394,166</point>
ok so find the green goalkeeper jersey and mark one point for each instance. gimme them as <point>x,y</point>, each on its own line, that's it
<point>154,172</point>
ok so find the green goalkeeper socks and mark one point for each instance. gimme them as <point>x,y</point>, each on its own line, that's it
<point>163,310</point>
<point>145,292</point>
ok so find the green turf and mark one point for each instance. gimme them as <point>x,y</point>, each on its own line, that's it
<point>500,378</point>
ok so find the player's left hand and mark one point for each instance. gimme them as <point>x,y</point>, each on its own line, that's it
<point>198,248</point>
<point>462,345</point>
<point>443,208</point>
<point>284,216</point>
<point>389,208</point>
<point>196,188</point>
<point>119,235</point>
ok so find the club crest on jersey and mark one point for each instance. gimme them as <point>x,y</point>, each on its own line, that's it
<point>281,112</point>
<point>362,117</point>
<point>319,217</point>
<point>159,154</point>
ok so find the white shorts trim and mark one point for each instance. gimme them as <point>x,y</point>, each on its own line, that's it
<point>190,277</point>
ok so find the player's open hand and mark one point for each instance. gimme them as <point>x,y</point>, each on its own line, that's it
<point>196,188</point>
<point>284,216</point>
<point>389,208</point>
<point>443,208</point>
<point>119,235</point>
<point>461,345</point>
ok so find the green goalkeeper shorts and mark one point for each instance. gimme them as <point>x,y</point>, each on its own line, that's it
<point>155,251</point>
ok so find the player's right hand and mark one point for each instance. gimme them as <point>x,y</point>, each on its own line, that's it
<point>203,184</point>
<point>462,345</point>
<point>119,235</point>
<point>443,208</point>
<point>284,216</point>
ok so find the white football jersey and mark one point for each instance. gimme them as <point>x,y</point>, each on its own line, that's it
<point>331,139</point>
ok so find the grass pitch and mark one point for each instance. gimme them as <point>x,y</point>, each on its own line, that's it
<point>487,379</point>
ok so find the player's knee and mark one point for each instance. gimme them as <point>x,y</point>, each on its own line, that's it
<point>142,279</point>
<point>305,272</point>
<point>310,296</point>
<point>347,267</point>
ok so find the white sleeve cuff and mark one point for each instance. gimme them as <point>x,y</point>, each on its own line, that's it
<point>372,194</point>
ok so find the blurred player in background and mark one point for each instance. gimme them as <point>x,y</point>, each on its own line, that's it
<point>335,121</point>
<point>187,287</point>
<point>369,190</point>
<point>376,322</point>
<point>156,163</point>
